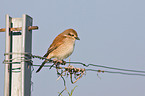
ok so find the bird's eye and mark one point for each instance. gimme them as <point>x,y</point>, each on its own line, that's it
<point>72,35</point>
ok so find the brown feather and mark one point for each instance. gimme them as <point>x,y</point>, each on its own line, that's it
<point>56,43</point>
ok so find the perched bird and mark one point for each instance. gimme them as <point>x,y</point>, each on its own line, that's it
<point>62,46</point>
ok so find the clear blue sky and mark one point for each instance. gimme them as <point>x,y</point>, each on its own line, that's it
<point>112,33</point>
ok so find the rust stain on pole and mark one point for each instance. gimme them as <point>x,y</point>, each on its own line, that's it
<point>2,30</point>
<point>19,28</point>
<point>32,27</point>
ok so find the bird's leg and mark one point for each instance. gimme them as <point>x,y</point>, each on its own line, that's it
<point>62,62</point>
<point>58,62</point>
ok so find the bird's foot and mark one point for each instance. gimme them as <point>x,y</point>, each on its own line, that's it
<point>58,62</point>
<point>63,62</point>
<point>55,61</point>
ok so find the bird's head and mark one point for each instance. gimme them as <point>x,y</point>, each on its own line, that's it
<point>70,33</point>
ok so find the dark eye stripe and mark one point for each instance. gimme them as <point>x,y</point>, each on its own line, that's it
<point>70,34</point>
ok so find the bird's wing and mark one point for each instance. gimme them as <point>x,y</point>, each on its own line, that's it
<point>56,43</point>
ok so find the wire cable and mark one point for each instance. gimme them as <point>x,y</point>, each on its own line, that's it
<point>132,72</point>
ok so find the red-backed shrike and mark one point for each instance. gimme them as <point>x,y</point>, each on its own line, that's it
<point>62,46</point>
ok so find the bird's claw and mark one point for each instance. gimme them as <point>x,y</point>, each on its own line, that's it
<point>58,62</point>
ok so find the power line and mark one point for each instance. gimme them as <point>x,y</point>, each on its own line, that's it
<point>96,65</point>
<point>115,72</point>
<point>135,72</point>
<point>102,71</point>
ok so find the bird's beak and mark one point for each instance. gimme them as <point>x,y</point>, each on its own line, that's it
<point>77,38</point>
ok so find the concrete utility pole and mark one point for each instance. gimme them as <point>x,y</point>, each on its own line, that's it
<point>18,44</point>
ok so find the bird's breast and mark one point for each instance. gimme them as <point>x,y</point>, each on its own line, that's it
<point>64,50</point>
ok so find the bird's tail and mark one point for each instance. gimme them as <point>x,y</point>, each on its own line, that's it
<point>41,66</point>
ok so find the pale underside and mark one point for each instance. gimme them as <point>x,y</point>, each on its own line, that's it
<point>63,51</point>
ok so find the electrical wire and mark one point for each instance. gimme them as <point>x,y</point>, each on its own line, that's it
<point>118,70</point>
